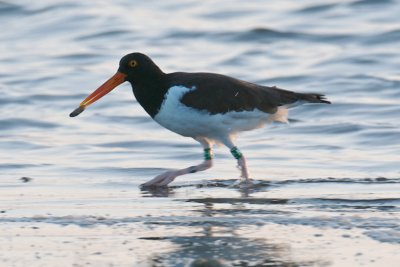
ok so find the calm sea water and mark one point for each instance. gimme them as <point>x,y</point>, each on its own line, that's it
<point>332,167</point>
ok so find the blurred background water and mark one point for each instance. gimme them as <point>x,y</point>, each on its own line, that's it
<point>54,53</point>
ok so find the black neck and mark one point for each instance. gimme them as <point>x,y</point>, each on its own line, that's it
<point>150,94</point>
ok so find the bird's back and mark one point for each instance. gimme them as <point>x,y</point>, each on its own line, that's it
<point>218,93</point>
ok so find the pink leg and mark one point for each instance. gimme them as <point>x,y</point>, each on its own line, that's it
<point>243,168</point>
<point>169,176</point>
<point>241,160</point>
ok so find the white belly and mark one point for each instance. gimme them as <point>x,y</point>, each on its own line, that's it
<point>191,122</point>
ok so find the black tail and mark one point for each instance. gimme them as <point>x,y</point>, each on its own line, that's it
<point>313,98</point>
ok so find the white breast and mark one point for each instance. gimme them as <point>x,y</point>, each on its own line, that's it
<point>191,122</point>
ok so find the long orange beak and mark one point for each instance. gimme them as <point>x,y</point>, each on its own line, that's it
<point>104,89</point>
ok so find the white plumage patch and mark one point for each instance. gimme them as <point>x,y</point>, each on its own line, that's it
<point>280,115</point>
<point>191,122</point>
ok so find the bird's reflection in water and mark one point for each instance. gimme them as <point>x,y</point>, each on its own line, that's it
<point>245,190</point>
<point>215,241</point>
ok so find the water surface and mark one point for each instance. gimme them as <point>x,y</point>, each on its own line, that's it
<point>328,184</point>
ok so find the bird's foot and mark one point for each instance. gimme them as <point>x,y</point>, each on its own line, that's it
<point>243,183</point>
<point>246,183</point>
<point>163,179</point>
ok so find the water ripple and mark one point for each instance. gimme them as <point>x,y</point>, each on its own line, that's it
<point>17,123</point>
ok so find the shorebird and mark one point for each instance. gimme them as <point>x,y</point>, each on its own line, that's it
<point>208,107</point>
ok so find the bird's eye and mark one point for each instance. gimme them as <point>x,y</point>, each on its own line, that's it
<point>132,63</point>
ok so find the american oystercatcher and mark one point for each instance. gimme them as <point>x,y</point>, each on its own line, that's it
<point>210,108</point>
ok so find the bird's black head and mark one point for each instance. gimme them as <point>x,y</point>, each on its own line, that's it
<point>136,68</point>
<point>139,69</point>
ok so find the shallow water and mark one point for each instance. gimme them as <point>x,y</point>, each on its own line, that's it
<point>327,191</point>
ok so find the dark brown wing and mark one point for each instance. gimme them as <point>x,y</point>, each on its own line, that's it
<point>220,94</point>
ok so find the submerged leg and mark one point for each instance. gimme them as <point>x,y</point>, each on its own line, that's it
<point>167,177</point>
